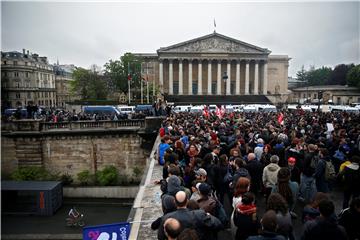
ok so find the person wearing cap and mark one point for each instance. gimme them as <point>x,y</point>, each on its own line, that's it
<point>294,170</point>
<point>201,175</point>
<point>168,205</point>
<point>206,202</point>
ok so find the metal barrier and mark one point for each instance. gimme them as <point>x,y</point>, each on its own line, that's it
<point>48,126</point>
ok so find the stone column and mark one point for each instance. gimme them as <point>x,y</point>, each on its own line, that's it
<point>209,87</point>
<point>180,77</point>
<point>161,76</point>
<point>265,83</point>
<point>247,77</point>
<point>218,89</point>
<point>171,75</point>
<point>200,77</point>
<point>256,78</point>
<point>237,87</point>
<point>228,80</point>
<point>190,77</point>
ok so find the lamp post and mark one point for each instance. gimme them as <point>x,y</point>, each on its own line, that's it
<point>225,78</point>
<point>129,80</point>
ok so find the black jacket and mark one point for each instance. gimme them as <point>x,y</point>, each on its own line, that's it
<point>322,228</point>
<point>205,225</point>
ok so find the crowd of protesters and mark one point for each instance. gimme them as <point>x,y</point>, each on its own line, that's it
<point>288,159</point>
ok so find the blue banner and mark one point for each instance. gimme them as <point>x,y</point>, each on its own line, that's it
<point>115,231</point>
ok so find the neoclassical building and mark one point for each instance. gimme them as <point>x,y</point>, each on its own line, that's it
<point>218,68</point>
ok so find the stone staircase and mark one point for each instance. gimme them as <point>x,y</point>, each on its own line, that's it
<point>28,152</point>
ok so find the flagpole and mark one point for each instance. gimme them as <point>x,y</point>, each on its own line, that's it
<point>154,81</point>
<point>147,82</point>
<point>141,90</point>
<point>129,82</point>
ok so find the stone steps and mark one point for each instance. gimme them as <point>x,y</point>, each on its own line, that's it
<point>29,153</point>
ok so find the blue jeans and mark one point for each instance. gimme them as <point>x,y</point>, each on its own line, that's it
<point>307,189</point>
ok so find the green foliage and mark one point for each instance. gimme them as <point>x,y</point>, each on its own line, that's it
<point>353,76</point>
<point>117,72</point>
<point>319,76</point>
<point>31,173</point>
<point>89,84</point>
<point>108,176</point>
<point>137,172</point>
<point>66,179</point>
<point>338,75</point>
<point>85,177</point>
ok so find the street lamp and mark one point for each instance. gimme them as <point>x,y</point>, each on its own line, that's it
<point>225,78</point>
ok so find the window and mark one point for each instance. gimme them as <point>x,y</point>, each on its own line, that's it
<point>27,74</point>
<point>213,88</point>
<point>17,95</point>
<point>5,62</point>
<point>5,74</point>
<point>16,74</point>
<point>29,95</point>
<point>304,95</point>
<point>15,63</point>
<point>194,88</point>
<point>17,84</point>
<point>315,96</point>
<point>26,63</point>
<point>176,88</point>
<point>232,88</point>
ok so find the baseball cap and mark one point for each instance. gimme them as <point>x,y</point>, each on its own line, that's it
<point>292,160</point>
<point>204,189</point>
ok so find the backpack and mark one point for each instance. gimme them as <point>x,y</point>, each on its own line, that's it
<point>330,173</point>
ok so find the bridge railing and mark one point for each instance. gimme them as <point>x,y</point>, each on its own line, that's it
<point>104,124</point>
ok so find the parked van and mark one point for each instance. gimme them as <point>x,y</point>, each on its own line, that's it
<point>267,108</point>
<point>126,109</point>
<point>144,108</point>
<point>101,110</point>
<point>249,108</point>
<point>183,108</point>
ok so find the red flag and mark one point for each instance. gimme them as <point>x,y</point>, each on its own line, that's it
<point>281,118</point>
<point>206,111</point>
<point>129,77</point>
<point>218,112</point>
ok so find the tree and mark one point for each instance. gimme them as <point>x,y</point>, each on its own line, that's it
<point>89,83</point>
<point>338,76</point>
<point>353,76</point>
<point>302,75</point>
<point>319,76</point>
<point>118,72</point>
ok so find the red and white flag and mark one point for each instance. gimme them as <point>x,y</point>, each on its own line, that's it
<point>281,118</point>
<point>206,111</point>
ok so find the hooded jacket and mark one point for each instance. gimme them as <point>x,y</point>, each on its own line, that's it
<point>270,175</point>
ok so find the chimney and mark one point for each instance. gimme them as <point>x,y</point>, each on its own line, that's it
<point>24,51</point>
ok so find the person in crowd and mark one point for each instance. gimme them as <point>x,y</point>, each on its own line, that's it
<point>307,189</point>
<point>206,202</point>
<point>286,188</point>
<point>255,170</point>
<point>270,174</point>
<point>195,191</point>
<point>322,184</point>
<point>240,171</point>
<point>245,218</point>
<point>351,178</point>
<point>168,205</point>
<point>163,146</point>
<point>258,150</point>
<point>325,226</point>
<point>172,228</point>
<point>188,234</point>
<point>205,224</point>
<point>294,170</point>
<point>350,219</point>
<point>311,210</point>
<point>277,203</point>
<point>223,178</point>
<point>266,155</point>
<point>269,226</point>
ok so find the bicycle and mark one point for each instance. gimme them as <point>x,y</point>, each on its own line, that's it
<point>75,219</point>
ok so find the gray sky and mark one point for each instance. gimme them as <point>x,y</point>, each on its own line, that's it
<point>85,33</point>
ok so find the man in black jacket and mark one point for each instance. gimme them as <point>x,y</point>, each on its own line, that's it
<point>325,226</point>
<point>206,225</point>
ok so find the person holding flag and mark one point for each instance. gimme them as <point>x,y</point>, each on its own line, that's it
<point>281,118</point>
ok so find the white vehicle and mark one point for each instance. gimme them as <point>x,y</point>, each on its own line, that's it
<point>249,108</point>
<point>267,108</point>
<point>238,108</point>
<point>229,108</point>
<point>306,108</point>
<point>126,109</point>
<point>197,109</point>
<point>341,108</point>
<point>184,108</point>
<point>212,108</point>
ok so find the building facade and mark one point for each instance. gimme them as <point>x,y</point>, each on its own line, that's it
<point>26,79</point>
<point>63,79</point>
<point>218,65</point>
<point>336,94</point>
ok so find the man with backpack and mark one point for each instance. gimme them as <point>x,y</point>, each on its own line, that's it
<point>322,171</point>
<point>307,182</point>
<point>351,178</point>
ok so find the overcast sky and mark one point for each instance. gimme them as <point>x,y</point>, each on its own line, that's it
<point>85,33</point>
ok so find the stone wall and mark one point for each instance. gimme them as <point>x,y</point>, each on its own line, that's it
<point>73,153</point>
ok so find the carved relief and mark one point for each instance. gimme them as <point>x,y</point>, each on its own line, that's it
<point>214,44</point>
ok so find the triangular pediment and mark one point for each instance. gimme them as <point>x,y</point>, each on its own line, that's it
<point>214,43</point>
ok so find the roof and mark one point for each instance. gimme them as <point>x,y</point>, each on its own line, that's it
<point>28,185</point>
<point>327,88</point>
<point>215,35</point>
